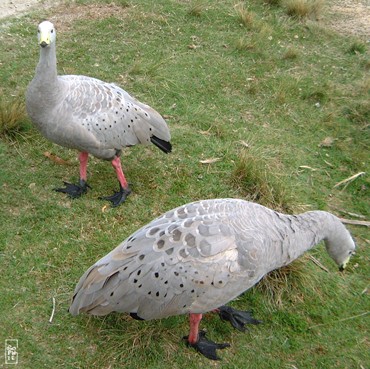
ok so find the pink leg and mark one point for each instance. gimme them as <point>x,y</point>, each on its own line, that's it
<point>194,328</point>
<point>83,158</point>
<point>75,191</point>
<point>116,163</point>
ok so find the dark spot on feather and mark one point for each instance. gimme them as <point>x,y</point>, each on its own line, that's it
<point>138,272</point>
<point>157,294</point>
<point>176,273</point>
<point>112,293</point>
<point>169,251</point>
<point>153,231</point>
<point>188,223</point>
<point>150,292</point>
<point>156,274</point>
<point>181,285</point>
<point>166,282</point>
<point>183,254</point>
<point>160,244</point>
<point>176,235</point>
<point>141,257</point>
<point>190,239</point>
<point>135,280</point>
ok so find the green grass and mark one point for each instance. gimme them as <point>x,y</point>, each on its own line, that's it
<point>260,96</point>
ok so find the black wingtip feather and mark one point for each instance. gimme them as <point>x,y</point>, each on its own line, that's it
<point>165,146</point>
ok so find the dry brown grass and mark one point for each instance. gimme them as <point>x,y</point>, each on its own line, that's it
<point>196,9</point>
<point>246,17</point>
<point>303,8</point>
<point>12,115</point>
<point>257,180</point>
<point>282,282</point>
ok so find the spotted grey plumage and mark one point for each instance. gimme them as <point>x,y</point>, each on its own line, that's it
<point>199,256</point>
<point>89,115</point>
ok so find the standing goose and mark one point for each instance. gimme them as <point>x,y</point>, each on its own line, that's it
<point>89,115</point>
<point>198,257</point>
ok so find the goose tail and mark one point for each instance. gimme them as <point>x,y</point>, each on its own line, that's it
<point>165,146</point>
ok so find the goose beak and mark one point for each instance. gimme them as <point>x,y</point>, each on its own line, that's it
<point>44,40</point>
<point>344,264</point>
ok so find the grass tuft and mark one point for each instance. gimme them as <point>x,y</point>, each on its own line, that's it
<point>358,113</point>
<point>12,117</point>
<point>282,282</point>
<point>303,8</point>
<point>257,180</point>
<point>246,17</point>
<point>291,53</point>
<point>196,9</point>
<point>357,47</point>
<point>273,2</point>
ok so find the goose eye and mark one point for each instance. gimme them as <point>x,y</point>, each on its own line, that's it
<point>52,31</point>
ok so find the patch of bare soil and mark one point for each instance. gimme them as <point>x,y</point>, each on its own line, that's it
<point>349,17</point>
<point>10,8</point>
<point>344,16</point>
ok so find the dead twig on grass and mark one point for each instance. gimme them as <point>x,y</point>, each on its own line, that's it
<point>318,263</point>
<point>364,223</point>
<point>53,312</point>
<point>348,180</point>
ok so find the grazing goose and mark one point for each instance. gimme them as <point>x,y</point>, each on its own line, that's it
<point>199,256</point>
<point>89,115</point>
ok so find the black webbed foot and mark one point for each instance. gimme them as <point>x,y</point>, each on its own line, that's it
<point>118,197</point>
<point>206,347</point>
<point>237,318</point>
<point>72,190</point>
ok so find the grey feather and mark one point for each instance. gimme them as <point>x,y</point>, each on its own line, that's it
<point>202,255</point>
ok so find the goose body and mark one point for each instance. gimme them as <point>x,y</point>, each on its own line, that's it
<point>89,115</point>
<point>199,256</point>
